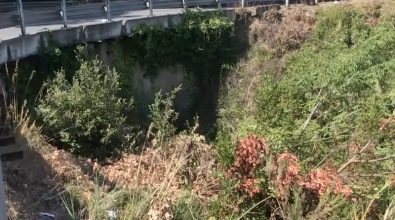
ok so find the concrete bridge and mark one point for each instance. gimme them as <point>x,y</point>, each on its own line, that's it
<point>25,28</point>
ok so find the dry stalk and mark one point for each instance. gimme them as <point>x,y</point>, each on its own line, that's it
<point>353,159</point>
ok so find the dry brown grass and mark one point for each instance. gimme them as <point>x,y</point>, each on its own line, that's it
<point>184,160</point>
<point>283,30</point>
<point>161,172</point>
<point>374,10</point>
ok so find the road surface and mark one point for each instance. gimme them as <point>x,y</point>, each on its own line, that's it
<point>14,32</point>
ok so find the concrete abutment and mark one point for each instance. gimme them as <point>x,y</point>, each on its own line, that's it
<point>24,46</point>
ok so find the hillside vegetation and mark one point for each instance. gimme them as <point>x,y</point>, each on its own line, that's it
<point>305,126</point>
<point>319,94</point>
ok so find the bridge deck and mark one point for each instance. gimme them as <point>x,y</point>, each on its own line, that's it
<point>89,22</point>
<point>14,32</point>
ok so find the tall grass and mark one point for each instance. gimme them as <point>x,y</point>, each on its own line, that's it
<point>18,114</point>
<point>137,201</point>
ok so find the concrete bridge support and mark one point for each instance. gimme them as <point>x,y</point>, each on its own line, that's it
<point>17,48</point>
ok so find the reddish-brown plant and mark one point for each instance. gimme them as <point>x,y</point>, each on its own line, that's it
<point>321,180</point>
<point>287,172</point>
<point>251,187</point>
<point>250,155</point>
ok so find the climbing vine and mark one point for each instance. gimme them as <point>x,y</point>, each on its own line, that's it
<point>202,43</point>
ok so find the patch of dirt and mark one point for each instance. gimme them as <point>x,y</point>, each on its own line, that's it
<point>32,187</point>
<point>34,184</point>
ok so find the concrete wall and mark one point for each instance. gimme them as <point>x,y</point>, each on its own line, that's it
<point>17,48</point>
<point>164,21</point>
<point>165,80</point>
<point>145,86</point>
<point>23,46</point>
<point>64,37</point>
<point>3,53</point>
<point>103,31</point>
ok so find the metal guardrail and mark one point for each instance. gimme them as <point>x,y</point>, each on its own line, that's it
<point>24,14</point>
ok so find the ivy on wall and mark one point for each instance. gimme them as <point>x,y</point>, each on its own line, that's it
<point>201,44</point>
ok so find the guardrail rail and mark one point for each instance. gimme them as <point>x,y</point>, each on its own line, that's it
<point>24,14</point>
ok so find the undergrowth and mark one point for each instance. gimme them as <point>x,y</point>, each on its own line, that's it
<point>305,128</point>
<point>325,102</point>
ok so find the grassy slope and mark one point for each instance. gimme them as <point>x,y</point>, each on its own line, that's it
<point>323,102</point>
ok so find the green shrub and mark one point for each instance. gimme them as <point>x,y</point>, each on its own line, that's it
<point>163,115</point>
<point>236,103</point>
<point>188,207</point>
<point>86,115</point>
<point>331,93</point>
<point>324,104</point>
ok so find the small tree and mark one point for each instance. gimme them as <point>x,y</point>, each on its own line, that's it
<point>86,115</point>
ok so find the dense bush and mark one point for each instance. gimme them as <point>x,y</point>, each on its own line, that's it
<point>338,86</point>
<point>329,104</point>
<point>334,90</point>
<point>283,31</point>
<point>86,115</point>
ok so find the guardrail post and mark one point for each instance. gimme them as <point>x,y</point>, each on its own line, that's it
<point>219,4</point>
<point>64,15</point>
<point>108,9</point>
<point>242,3</point>
<point>184,4</point>
<point>151,9</point>
<point>286,3</point>
<point>21,17</point>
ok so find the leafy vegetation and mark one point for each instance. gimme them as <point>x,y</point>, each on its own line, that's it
<point>202,43</point>
<point>334,90</point>
<point>86,110</point>
<point>305,123</point>
<point>326,103</point>
<point>163,115</point>
<point>86,115</point>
